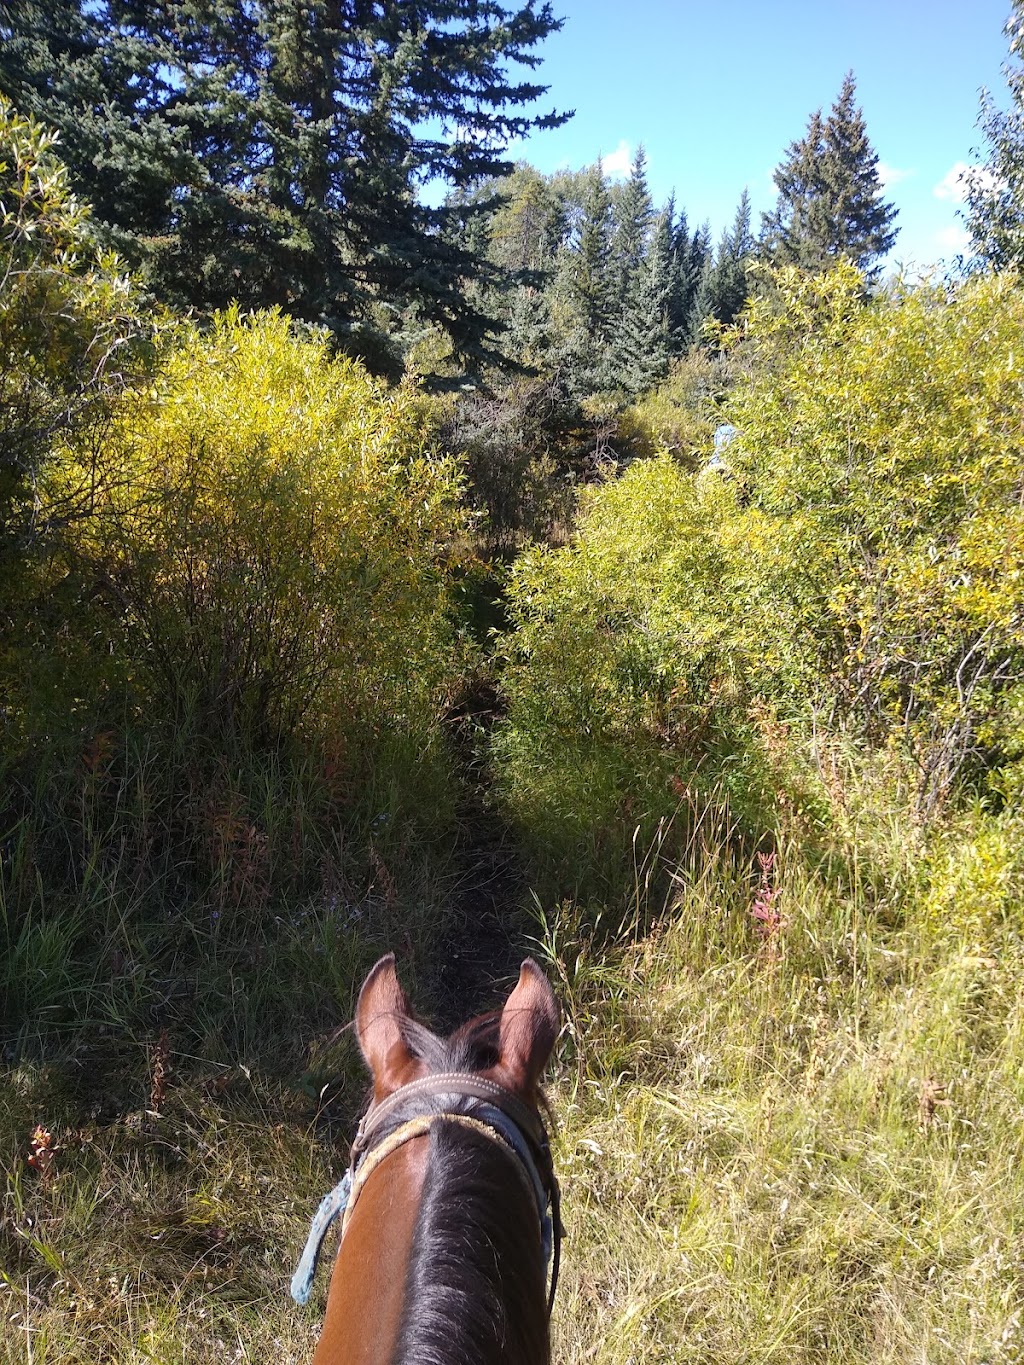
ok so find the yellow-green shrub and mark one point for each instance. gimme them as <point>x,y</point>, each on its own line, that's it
<point>862,561</point>
<point>628,661</point>
<point>884,440</point>
<point>70,321</point>
<point>275,535</point>
<point>681,414</point>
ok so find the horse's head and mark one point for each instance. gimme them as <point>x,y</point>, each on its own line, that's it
<point>451,1205</point>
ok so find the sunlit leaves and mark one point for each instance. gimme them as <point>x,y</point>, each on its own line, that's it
<point>277,533</point>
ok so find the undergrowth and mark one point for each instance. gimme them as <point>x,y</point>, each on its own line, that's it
<point>792,1112</point>
<point>789,1095</point>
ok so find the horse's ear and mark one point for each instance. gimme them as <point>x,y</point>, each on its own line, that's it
<point>381,1008</point>
<point>528,1026</point>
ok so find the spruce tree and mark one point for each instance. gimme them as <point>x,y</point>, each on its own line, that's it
<point>728,282</point>
<point>694,263</point>
<point>995,190</point>
<point>584,288</point>
<point>272,151</point>
<point>830,197</point>
<point>641,347</point>
<point>633,213</point>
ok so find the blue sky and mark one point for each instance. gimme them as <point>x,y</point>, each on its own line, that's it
<point>716,92</point>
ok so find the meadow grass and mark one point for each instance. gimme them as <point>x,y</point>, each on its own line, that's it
<point>806,1151</point>
<point>790,1097</point>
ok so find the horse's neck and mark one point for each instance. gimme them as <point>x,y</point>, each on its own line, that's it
<point>475,1283</point>
<point>367,1294</point>
<point>440,1263</point>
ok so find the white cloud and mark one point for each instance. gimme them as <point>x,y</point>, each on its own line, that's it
<point>891,175</point>
<point>953,240</point>
<point>953,185</point>
<point>617,164</point>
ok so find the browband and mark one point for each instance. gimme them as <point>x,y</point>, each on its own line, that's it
<point>456,1083</point>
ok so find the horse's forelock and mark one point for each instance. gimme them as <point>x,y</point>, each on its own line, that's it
<point>473,1047</point>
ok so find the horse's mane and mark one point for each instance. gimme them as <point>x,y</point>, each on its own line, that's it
<point>475,1283</point>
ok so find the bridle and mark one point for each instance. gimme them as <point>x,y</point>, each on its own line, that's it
<point>496,1113</point>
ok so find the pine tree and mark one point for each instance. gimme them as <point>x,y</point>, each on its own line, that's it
<point>728,282</point>
<point>830,197</point>
<point>633,213</point>
<point>271,152</point>
<point>995,190</point>
<point>694,263</point>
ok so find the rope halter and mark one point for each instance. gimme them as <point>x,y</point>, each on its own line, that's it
<point>498,1115</point>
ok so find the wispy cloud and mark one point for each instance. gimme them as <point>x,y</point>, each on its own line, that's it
<point>617,164</point>
<point>953,240</point>
<point>954,184</point>
<point>891,175</point>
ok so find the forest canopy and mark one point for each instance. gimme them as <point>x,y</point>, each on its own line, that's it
<point>273,154</point>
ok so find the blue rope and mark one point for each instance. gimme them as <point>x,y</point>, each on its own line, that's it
<point>331,1206</point>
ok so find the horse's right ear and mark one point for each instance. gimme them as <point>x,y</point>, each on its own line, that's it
<point>380,1011</point>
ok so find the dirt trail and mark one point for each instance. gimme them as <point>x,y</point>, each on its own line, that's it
<point>490,932</point>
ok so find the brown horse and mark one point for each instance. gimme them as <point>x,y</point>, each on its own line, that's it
<point>447,1227</point>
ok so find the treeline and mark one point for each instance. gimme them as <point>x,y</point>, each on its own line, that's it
<point>607,290</point>
<point>274,157</point>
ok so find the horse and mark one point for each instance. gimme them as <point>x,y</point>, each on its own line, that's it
<point>451,1205</point>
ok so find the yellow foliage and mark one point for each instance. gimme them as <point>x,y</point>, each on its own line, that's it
<point>278,532</point>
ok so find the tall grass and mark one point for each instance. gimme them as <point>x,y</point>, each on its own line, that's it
<point>795,1145</point>
<point>182,946</point>
<point>787,1136</point>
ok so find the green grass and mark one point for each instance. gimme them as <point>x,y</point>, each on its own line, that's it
<point>802,1144</point>
<point>807,1151</point>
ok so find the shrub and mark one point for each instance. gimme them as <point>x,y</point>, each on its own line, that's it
<point>681,414</point>
<point>858,568</point>
<point>527,449</point>
<point>628,664</point>
<point>275,537</point>
<point>71,330</point>
<point>883,441</point>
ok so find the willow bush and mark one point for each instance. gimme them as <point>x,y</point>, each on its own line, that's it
<point>72,335</point>
<point>628,665</point>
<point>275,537</point>
<point>883,441</point>
<point>252,647</point>
<point>856,567</point>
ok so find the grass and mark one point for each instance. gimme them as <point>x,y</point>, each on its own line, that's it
<point>175,1094</point>
<point>809,1151</point>
<point>793,1138</point>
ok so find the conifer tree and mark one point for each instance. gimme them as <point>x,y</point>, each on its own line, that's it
<point>995,190</point>
<point>694,263</point>
<point>728,282</point>
<point>830,197</point>
<point>271,152</point>
<point>641,347</point>
<point>584,286</point>
<point>633,214</point>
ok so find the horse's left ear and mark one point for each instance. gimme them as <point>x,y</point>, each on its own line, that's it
<point>528,1026</point>
<point>380,1011</point>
